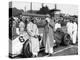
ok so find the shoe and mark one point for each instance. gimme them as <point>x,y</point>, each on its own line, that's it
<point>34,56</point>
<point>46,53</point>
<point>50,54</point>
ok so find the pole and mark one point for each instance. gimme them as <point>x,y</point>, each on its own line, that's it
<point>31,7</point>
<point>55,6</point>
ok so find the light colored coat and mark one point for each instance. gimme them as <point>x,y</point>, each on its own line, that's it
<point>50,37</point>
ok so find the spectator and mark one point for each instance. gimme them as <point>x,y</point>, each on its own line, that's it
<point>50,36</point>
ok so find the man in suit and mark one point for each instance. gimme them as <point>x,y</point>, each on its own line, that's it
<point>50,35</point>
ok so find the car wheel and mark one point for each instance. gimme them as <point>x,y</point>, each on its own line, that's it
<point>67,39</point>
<point>26,49</point>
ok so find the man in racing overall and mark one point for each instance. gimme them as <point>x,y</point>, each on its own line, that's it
<point>32,30</point>
<point>74,36</point>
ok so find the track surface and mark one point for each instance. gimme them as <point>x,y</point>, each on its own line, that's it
<point>62,51</point>
<point>59,51</point>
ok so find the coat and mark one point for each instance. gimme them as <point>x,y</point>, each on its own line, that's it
<point>74,37</point>
<point>48,31</point>
<point>51,32</point>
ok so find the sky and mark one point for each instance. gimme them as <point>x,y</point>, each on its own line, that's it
<point>65,8</point>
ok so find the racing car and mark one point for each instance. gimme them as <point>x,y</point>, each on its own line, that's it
<point>20,46</point>
<point>62,38</point>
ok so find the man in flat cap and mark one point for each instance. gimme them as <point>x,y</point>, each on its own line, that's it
<point>49,36</point>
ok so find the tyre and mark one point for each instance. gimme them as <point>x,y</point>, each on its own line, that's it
<point>26,49</point>
<point>58,34</point>
<point>66,39</point>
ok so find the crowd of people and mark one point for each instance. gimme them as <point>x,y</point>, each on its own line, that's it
<point>29,30</point>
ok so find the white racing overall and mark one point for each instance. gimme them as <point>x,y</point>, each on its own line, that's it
<point>33,31</point>
<point>69,28</point>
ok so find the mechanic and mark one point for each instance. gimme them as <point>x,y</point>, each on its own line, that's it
<point>69,26</point>
<point>74,32</point>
